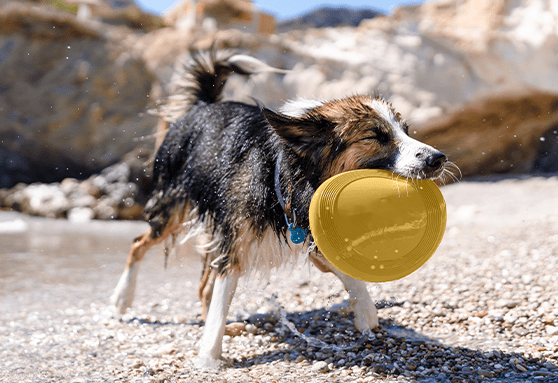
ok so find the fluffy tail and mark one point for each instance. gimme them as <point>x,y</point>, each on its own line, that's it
<point>203,79</point>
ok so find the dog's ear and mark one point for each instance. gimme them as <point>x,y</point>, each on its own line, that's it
<point>307,135</point>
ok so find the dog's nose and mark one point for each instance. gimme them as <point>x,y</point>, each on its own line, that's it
<point>436,160</point>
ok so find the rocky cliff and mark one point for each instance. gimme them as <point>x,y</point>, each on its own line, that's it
<point>475,78</point>
<point>73,94</point>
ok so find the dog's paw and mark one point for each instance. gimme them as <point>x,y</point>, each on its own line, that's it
<point>123,294</point>
<point>122,297</point>
<point>119,304</point>
<point>366,318</point>
<point>205,362</point>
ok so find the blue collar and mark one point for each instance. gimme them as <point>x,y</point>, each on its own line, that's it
<point>298,234</point>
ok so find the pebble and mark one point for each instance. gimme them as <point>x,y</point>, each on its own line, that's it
<point>488,374</point>
<point>250,328</point>
<point>235,329</point>
<point>521,367</point>
<point>320,366</point>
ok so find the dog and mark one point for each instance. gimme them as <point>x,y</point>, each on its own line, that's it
<point>238,176</point>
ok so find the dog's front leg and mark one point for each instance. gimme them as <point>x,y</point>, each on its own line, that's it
<point>211,344</point>
<point>366,315</point>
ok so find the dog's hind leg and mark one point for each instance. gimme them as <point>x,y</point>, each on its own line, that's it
<point>211,343</point>
<point>366,315</point>
<point>207,282</point>
<point>123,294</point>
<point>209,273</point>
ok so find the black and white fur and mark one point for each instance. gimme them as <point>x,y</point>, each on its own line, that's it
<point>214,177</point>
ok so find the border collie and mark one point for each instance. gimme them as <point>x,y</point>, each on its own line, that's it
<point>237,177</point>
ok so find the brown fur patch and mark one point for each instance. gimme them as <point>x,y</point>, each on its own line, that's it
<point>364,133</point>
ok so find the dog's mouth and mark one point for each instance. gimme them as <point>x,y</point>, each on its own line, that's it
<point>447,171</point>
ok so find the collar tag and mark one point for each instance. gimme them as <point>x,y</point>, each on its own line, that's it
<point>298,234</point>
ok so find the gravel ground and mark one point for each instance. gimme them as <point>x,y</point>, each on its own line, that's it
<point>484,308</point>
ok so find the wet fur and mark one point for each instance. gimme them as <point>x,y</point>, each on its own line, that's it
<point>214,176</point>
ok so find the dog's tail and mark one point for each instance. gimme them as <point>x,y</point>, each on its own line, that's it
<point>203,77</point>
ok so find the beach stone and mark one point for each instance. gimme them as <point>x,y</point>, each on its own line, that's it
<point>80,214</point>
<point>485,373</point>
<point>250,328</point>
<point>235,328</point>
<point>320,366</point>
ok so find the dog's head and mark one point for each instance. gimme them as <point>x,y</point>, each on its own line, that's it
<point>355,133</point>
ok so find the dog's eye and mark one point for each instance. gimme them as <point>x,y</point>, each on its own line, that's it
<point>369,138</point>
<point>378,137</point>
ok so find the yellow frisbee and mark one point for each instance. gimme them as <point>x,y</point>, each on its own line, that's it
<point>376,226</point>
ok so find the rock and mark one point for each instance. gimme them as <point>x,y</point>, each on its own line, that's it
<point>251,329</point>
<point>320,366</point>
<point>485,373</point>
<point>74,95</point>
<point>80,214</point>
<point>521,368</point>
<point>44,200</point>
<point>504,134</point>
<point>166,349</point>
<point>551,330</point>
<point>235,328</point>
<point>411,366</point>
<point>505,303</point>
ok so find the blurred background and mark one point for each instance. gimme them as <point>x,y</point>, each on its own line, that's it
<point>475,78</point>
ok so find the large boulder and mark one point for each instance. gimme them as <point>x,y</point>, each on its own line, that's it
<point>73,94</point>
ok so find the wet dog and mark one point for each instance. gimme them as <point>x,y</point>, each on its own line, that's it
<point>236,176</point>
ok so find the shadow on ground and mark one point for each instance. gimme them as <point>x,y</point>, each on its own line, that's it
<point>391,352</point>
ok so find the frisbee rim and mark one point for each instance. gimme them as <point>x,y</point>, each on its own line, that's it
<point>406,264</point>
